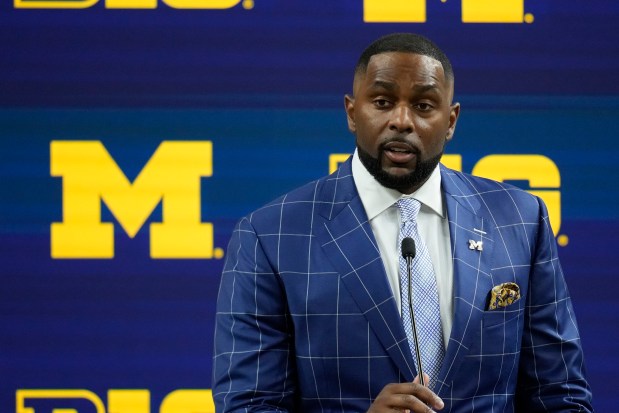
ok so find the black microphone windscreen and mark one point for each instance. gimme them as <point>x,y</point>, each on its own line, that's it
<point>408,247</point>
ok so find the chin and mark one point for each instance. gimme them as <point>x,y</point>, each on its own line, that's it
<point>398,172</point>
<point>402,178</point>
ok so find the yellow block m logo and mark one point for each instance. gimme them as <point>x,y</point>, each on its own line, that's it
<point>171,176</point>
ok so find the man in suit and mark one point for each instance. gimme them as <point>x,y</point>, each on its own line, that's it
<point>314,313</point>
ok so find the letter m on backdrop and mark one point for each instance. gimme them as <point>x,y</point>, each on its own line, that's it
<point>172,176</point>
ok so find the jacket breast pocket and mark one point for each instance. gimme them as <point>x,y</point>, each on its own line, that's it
<point>501,331</point>
<point>495,317</point>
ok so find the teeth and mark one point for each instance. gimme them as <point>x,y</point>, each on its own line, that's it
<point>399,150</point>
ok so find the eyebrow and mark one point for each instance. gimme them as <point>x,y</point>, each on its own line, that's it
<point>426,87</point>
<point>381,84</point>
<point>391,86</point>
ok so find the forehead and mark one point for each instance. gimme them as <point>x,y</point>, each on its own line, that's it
<point>401,67</point>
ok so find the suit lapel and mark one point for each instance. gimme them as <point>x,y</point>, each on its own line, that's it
<point>349,244</point>
<point>471,264</point>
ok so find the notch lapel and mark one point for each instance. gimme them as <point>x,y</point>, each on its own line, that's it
<point>348,242</point>
<point>471,272</point>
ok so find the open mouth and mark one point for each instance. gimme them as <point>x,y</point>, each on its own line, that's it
<point>399,152</point>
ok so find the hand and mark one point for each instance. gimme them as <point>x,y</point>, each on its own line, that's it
<point>406,397</point>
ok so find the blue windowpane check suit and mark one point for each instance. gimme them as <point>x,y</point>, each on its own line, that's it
<point>307,322</point>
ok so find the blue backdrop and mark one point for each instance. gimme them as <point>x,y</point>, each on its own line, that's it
<point>263,82</point>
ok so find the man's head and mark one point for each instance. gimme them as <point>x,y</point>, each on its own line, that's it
<point>400,110</point>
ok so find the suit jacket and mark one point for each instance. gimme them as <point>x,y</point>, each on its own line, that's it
<point>307,322</point>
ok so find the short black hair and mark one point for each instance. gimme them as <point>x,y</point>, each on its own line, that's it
<point>407,43</point>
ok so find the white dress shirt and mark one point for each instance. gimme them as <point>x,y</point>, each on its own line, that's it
<point>433,225</point>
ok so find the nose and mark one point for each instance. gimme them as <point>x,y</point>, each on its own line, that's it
<point>401,119</point>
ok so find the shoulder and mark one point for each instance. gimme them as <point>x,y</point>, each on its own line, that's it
<point>316,199</point>
<point>490,197</point>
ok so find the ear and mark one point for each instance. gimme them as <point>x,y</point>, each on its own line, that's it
<point>349,106</point>
<point>454,112</point>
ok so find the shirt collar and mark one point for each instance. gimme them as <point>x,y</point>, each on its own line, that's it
<point>377,198</point>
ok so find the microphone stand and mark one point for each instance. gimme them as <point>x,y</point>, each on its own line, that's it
<point>409,254</point>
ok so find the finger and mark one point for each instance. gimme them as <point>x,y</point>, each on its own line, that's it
<point>425,395</point>
<point>426,379</point>
<point>407,396</point>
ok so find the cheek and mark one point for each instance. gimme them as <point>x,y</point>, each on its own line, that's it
<point>432,138</point>
<point>368,130</point>
<point>371,118</point>
<point>424,131</point>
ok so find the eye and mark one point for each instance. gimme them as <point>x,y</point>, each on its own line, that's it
<point>424,106</point>
<point>382,103</point>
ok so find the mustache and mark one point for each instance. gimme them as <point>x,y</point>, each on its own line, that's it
<point>399,142</point>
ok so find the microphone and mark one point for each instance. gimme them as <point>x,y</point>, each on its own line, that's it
<point>408,248</point>
<point>408,253</point>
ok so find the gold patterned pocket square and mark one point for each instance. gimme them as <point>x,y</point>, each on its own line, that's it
<point>503,295</point>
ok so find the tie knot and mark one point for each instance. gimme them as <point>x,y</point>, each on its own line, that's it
<point>409,208</point>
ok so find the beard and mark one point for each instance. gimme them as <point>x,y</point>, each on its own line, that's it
<point>402,183</point>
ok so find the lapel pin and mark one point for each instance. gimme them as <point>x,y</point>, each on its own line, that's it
<point>476,245</point>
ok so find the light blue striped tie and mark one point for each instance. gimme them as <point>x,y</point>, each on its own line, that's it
<point>425,295</point>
